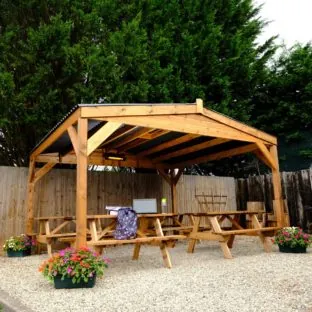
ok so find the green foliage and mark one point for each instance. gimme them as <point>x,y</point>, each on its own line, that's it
<point>55,54</point>
<point>80,264</point>
<point>18,243</point>
<point>285,107</point>
<point>292,237</point>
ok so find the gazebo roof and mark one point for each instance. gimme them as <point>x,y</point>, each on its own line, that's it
<point>152,136</point>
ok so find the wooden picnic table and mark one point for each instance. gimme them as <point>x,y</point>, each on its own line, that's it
<point>100,236</point>
<point>224,236</point>
<point>149,231</point>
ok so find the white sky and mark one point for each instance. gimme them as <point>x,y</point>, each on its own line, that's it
<point>290,19</point>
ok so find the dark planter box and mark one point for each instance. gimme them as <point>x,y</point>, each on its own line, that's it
<point>67,282</point>
<point>297,249</point>
<point>20,253</point>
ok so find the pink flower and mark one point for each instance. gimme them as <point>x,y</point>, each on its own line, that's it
<point>69,270</point>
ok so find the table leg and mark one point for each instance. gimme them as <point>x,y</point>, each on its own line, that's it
<point>267,245</point>
<point>235,224</point>
<point>49,247</point>
<point>163,247</point>
<point>223,239</point>
<point>192,241</point>
<point>136,252</point>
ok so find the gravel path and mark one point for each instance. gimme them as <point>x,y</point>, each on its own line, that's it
<point>203,281</point>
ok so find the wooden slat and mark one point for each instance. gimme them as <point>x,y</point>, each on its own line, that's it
<point>137,110</point>
<point>165,145</point>
<point>190,149</point>
<point>217,156</point>
<point>73,138</point>
<point>57,133</point>
<point>101,135</point>
<point>141,240</point>
<point>247,231</point>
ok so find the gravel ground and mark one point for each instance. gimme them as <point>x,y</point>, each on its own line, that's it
<point>203,281</point>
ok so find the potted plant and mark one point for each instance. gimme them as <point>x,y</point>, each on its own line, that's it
<point>74,268</point>
<point>292,239</point>
<point>19,246</point>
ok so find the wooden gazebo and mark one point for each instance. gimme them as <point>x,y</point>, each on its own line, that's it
<point>165,137</point>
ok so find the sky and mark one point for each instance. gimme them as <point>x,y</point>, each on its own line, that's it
<point>290,19</point>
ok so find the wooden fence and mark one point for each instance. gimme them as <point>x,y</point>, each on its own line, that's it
<point>55,194</point>
<point>297,190</point>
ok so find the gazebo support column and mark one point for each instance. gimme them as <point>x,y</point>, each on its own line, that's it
<point>30,197</point>
<point>172,179</point>
<point>81,188</point>
<point>277,189</point>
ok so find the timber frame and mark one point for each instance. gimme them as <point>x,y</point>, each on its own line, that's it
<point>166,137</point>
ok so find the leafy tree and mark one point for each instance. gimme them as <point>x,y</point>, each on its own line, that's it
<point>55,54</point>
<point>283,105</point>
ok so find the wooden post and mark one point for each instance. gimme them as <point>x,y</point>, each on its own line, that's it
<point>277,189</point>
<point>30,197</point>
<point>173,189</point>
<point>81,188</point>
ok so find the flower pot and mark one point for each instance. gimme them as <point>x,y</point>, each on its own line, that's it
<point>67,282</point>
<point>19,253</point>
<point>297,249</point>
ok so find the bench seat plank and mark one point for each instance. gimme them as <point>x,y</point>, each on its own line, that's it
<point>246,231</point>
<point>138,240</point>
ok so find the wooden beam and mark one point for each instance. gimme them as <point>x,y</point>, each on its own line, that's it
<point>130,145</point>
<point>101,135</point>
<point>73,137</point>
<point>190,149</point>
<point>44,170</point>
<point>122,131</point>
<point>165,145</point>
<point>199,106</point>
<point>186,124</point>
<point>96,158</point>
<point>267,155</point>
<point>57,133</point>
<point>216,156</point>
<point>137,110</point>
<point>143,139</point>
<point>178,175</point>
<point>262,158</point>
<point>164,175</point>
<point>81,190</point>
<point>131,137</point>
<point>277,189</point>
<point>239,126</point>
<point>30,197</point>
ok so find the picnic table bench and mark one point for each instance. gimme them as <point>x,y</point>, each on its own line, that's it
<point>226,236</point>
<point>149,231</point>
